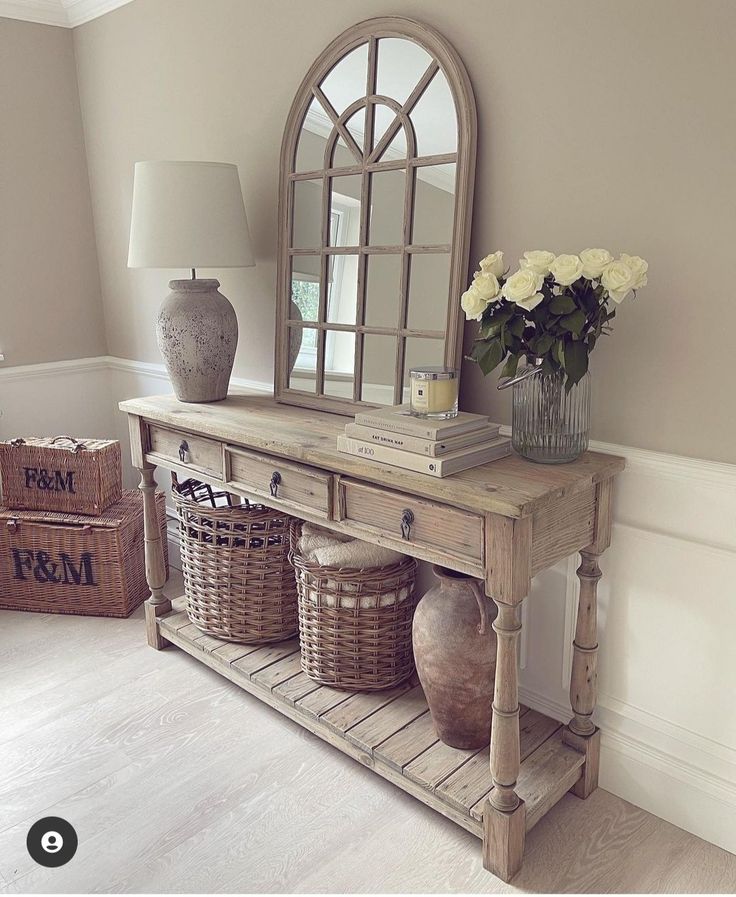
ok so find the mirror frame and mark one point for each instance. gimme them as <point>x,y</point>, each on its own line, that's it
<point>450,64</point>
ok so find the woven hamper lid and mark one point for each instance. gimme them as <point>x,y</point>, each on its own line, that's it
<point>128,508</point>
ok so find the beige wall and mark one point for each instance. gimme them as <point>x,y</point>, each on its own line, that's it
<point>601,124</point>
<point>50,298</point>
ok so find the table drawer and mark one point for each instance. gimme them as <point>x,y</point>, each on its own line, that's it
<point>428,525</point>
<point>196,453</point>
<point>293,485</point>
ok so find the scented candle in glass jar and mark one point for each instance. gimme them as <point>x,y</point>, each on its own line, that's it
<point>434,392</point>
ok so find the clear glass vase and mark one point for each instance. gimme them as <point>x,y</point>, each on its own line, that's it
<point>549,425</point>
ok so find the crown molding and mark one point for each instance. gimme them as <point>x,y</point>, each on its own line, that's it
<point>62,13</point>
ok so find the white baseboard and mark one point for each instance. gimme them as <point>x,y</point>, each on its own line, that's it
<point>667,615</point>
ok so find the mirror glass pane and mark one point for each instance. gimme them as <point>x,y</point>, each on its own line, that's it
<point>356,127</point>
<point>347,81</point>
<point>339,363</point>
<point>306,228</point>
<point>397,148</point>
<point>341,155</point>
<point>305,277</point>
<point>303,359</point>
<point>401,63</point>
<point>434,119</point>
<point>386,223</point>
<point>429,284</point>
<point>420,352</point>
<point>345,210</point>
<point>383,290</point>
<point>434,204</point>
<point>384,116</point>
<point>310,150</point>
<point>342,289</point>
<point>379,364</point>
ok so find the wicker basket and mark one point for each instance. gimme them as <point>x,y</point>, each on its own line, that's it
<point>238,580</point>
<point>355,625</point>
<point>71,476</point>
<point>73,564</point>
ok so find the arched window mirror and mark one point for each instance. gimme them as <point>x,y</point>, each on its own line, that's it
<point>377,170</point>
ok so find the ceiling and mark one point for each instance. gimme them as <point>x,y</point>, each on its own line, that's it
<point>64,13</point>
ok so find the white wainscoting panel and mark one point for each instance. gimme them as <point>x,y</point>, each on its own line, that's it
<point>667,662</point>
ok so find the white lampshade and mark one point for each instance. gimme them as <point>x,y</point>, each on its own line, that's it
<point>188,215</point>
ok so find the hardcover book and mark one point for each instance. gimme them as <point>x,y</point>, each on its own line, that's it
<point>443,466</point>
<point>398,419</point>
<point>433,448</point>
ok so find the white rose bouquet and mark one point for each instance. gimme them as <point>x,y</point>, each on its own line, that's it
<point>554,308</point>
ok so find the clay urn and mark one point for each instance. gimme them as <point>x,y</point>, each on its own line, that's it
<point>455,654</point>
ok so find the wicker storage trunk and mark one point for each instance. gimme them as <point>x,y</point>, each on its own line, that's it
<point>73,564</point>
<point>238,581</point>
<point>71,476</point>
<point>355,624</point>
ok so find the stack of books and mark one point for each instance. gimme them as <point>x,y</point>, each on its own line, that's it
<point>436,447</point>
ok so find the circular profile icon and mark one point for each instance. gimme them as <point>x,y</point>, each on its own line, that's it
<point>52,841</point>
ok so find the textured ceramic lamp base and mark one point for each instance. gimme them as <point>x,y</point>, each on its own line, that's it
<point>197,334</point>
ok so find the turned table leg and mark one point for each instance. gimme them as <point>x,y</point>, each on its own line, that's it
<point>581,733</point>
<point>504,815</point>
<point>157,604</point>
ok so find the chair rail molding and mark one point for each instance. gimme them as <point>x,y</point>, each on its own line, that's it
<point>63,13</point>
<point>666,601</point>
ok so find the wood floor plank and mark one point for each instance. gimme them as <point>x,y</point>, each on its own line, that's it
<point>406,745</point>
<point>472,781</point>
<point>389,719</point>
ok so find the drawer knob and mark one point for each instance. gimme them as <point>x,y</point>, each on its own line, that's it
<point>184,451</point>
<point>275,483</point>
<point>407,518</point>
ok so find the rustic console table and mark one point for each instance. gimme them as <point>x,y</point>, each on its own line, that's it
<point>502,522</point>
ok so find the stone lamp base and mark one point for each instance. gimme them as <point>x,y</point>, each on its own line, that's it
<point>197,333</point>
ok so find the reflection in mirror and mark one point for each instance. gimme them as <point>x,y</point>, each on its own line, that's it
<point>345,210</point>
<point>342,289</point>
<point>347,81</point>
<point>386,224</point>
<point>306,229</point>
<point>379,369</point>
<point>420,352</point>
<point>305,276</point>
<point>384,117</point>
<point>434,204</point>
<point>341,155</point>
<point>356,126</point>
<point>310,152</point>
<point>303,359</point>
<point>429,284</point>
<point>435,123</point>
<point>383,290</point>
<point>339,363</point>
<point>401,63</point>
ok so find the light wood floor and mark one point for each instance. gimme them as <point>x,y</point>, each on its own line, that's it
<point>176,780</point>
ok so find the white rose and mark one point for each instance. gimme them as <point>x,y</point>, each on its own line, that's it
<point>492,264</point>
<point>487,285</point>
<point>594,261</point>
<point>538,260</point>
<point>639,270</point>
<point>522,285</point>
<point>566,269</point>
<point>618,279</point>
<point>531,302</point>
<point>472,303</point>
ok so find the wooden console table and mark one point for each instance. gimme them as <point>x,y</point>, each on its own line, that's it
<point>502,522</point>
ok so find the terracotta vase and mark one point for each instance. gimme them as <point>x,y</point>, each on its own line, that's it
<point>455,654</point>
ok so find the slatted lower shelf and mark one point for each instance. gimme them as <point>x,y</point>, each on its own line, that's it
<point>390,732</point>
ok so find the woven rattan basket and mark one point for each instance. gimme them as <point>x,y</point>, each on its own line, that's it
<point>238,581</point>
<point>355,625</point>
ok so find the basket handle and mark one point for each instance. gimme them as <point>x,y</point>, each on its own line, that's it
<point>479,597</point>
<point>77,446</point>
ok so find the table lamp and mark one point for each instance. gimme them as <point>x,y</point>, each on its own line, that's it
<point>191,215</point>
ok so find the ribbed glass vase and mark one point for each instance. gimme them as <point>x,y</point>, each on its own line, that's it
<point>550,425</point>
